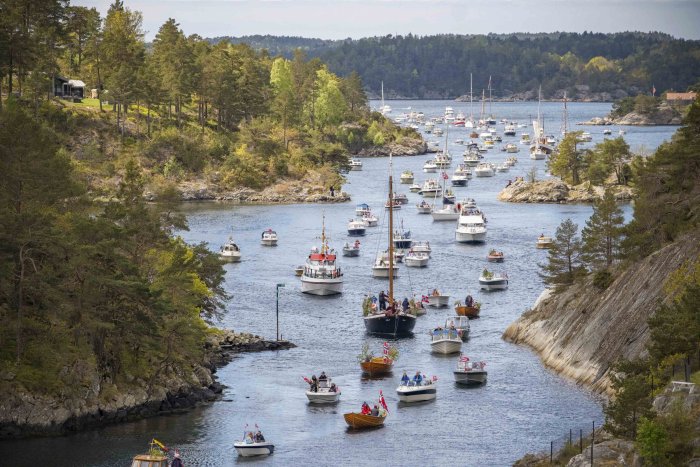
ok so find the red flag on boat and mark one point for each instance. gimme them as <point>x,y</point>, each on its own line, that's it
<point>386,345</point>
<point>444,175</point>
<point>306,379</point>
<point>464,359</point>
<point>435,378</point>
<point>382,401</point>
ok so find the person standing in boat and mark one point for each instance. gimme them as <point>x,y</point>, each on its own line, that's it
<point>405,305</point>
<point>469,301</point>
<point>177,462</point>
<point>382,301</point>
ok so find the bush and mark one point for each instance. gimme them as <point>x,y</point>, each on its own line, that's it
<point>652,442</point>
<point>602,279</point>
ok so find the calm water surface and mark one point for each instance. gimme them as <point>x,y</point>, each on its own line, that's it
<point>521,408</point>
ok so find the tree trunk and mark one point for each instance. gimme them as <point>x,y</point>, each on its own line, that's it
<point>11,71</point>
<point>179,109</point>
<point>148,120</point>
<point>20,310</point>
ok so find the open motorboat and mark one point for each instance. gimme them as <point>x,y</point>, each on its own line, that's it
<point>511,161</point>
<point>367,418</point>
<point>437,300</point>
<point>423,207</point>
<point>431,188</point>
<point>406,176</point>
<point>362,209</point>
<point>253,445</point>
<point>356,228</point>
<point>355,164</point>
<point>471,226</point>
<point>416,259</point>
<point>380,269</point>
<point>463,169</point>
<point>402,239</point>
<point>269,238</point>
<point>445,341</point>
<point>416,390</point>
<point>459,179</point>
<point>470,373</point>
<point>400,198</point>
<point>502,167</point>
<point>422,247</point>
<point>495,256</point>
<point>394,205</point>
<point>322,275</point>
<point>461,324</point>
<point>430,166</point>
<point>512,148</point>
<point>472,159</point>
<point>370,219</point>
<point>493,280</point>
<point>525,138</point>
<point>448,212</point>
<point>230,251</point>
<point>415,188</point>
<point>322,391</point>
<point>470,309</point>
<point>442,162</point>
<point>544,242</point>
<point>484,169</point>
<point>351,250</point>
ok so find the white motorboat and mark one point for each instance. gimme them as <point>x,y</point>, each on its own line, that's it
<point>251,449</point>
<point>472,159</point>
<point>512,148</point>
<point>538,154</point>
<point>442,162</point>
<point>370,219</point>
<point>431,188</point>
<point>426,390</point>
<point>326,392</point>
<point>525,138</point>
<point>585,137</point>
<point>448,212</point>
<point>622,132</point>
<point>511,161</point>
<point>509,130</point>
<point>463,169</point>
<point>437,300</point>
<point>351,250</point>
<point>355,164</point>
<point>422,247</point>
<point>461,324</point>
<point>356,228</point>
<point>445,341</point>
<point>484,169</point>
<point>459,179</point>
<point>493,280</point>
<point>416,259</point>
<point>423,207</point>
<point>449,115</point>
<point>402,238</point>
<point>400,198</point>
<point>471,226</point>
<point>502,167</point>
<point>415,188</point>
<point>322,275</point>
<point>468,203</point>
<point>230,251</point>
<point>362,209</point>
<point>430,166</point>
<point>544,242</point>
<point>396,205</point>
<point>607,131</point>
<point>470,373</point>
<point>406,176</point>
<point>269,238</point>
<point>380,268</point>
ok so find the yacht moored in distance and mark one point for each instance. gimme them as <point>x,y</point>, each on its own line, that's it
<point>269,238</point>
<point>230,251</point>
<point>471,227</point>
<point>356,228</point>
<point>355,164</point>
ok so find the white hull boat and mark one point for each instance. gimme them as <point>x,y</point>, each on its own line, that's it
<point>430,167</point>
<point>321,286</point>
<point>356,228</point>
<point>323,395</point>
<point>380,269</point>
<point>416,259</point>
<point>446,342</point>
<point>484,170</point>
<point>253,449</point>
<point>355,164</point>
<point>415,188</point>
<point>471,227</point>
<point>470,236</point>
<point>493,281</point>
<point>407,177</point>
<point>269,238</point>
<point>230,251</point>
<point>470,373</point>
<point>322,275</point>
<point>422,247</point>
<point>424,208</point>
<point>438,301</point>
<point>447,213</point>
<point>538,155</point>
<point>420,393</point>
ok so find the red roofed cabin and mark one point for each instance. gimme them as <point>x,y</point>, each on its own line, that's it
<point>680,98</point>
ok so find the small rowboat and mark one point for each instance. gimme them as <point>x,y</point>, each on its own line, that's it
<point>358,421</point>
<point>470,312</point>
<point>377,366</point>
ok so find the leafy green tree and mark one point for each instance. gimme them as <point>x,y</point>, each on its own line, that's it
<point>568,162</point>
<point>284,103</point>
<point>603,233</point>
<point>82,25</point>
<point>329,105</point>
<point>652,442</point>
<point>564,257</point>
<point>354,93</point>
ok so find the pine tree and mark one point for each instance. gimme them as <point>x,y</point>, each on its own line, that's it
<point>568,162</point>
<point>603,233</point>
<point>564,259</point>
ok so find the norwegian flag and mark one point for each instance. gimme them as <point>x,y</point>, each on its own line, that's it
<point>464,358</point>
<point>306,379</point>
<point>386,345</point>
<point>382,401</point>
<point>435,378</point>
<point>445,176</point>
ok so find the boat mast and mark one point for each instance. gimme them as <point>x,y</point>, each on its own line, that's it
<point>324,245</point>
<point>391,233</point>
<point>566,118</point>
<point>471,100</point>
<point>382,109</point>
<point>483,102</point>
<point>490,110</point>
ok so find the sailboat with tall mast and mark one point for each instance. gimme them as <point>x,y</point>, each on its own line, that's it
<point>490,120</point>
<point>539,149</point>
<point>470,123</point>
<point>385,108</point>
<point>392,321</point>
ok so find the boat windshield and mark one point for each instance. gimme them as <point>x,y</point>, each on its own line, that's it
<point>441,334</point>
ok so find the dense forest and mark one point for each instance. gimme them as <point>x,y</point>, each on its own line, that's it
<point>95,290</point>
<point>411,66</point>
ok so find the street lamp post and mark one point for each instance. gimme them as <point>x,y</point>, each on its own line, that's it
<point>278,310</point>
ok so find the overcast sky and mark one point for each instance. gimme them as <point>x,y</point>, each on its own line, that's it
<point>337,19</point>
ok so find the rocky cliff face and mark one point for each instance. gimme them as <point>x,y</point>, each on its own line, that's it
<point>26,414</point>
<point>554,190</point>
<point>406,147</point>
<point>581,332</point>
<point>665,114</point>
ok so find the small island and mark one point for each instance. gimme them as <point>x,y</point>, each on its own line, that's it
<point>645,110</point>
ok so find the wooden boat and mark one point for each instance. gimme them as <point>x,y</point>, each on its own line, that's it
<point>470,312</point>
<point>377,365</point>
<point>495,256</point>
<point>544,242</point>
<point>148,460</point>
<point>358,421</point>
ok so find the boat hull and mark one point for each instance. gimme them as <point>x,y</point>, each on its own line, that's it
<point>254,449</point>
<point>231,258</point>
<point>416,262</point>
<point>430,193</point>
<point>470,237</point>
<point>382,325</point>
<point>376,366</point>
<point>356,232</point>
<point>470,378</point>
<point>438,301</point>
<point>406,180</point>
<point>316,286</point>
<point>470,312</point>
<point>498,284</point>
<point>446,346</point>
<point>351,252</point>
<point>268,242</point>
<point>358,421</point>
<point>494,259</point>
<point>417,393</point>
<point>445,216</point>
<point>322,397</point>
<point>459,182</point>
<point>382,272</point>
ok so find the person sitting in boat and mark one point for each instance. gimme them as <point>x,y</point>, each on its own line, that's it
<point>405,305</point>
<point>365,409</point>
<point>249,437</point>
<point>259,438</point>
<point>405,379</point>
<point>417,379</point>
<point>375,411</point>
<point>435,292</point>
<point>357,244</point>
<point>469,301</point>
<point>333,388</point>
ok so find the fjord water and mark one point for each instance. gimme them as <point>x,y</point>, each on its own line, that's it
<point>522,407</point>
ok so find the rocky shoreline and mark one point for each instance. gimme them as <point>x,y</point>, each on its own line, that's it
<point>665,114</point>
<point>554,190</point>
<point>406,147</point>
<point>23,414</point>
